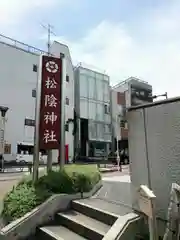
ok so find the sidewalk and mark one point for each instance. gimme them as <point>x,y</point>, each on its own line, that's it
<point>112,168</point>
<point>106,170</point>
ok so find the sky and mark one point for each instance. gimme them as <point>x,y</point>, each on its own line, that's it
<point>124,38</point>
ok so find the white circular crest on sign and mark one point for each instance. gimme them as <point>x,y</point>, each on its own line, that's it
<point>51,67</point>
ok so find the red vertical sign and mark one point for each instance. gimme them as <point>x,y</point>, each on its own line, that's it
<point>50,109</point>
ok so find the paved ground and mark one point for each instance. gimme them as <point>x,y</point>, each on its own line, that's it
<point>116,188</point>
<point>115,194</point>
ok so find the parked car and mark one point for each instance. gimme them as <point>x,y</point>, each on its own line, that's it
<point>6,163</point>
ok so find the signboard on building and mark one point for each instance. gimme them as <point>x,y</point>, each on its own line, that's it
<point>140,95</point>
<point>7,148</point>
<point>50,108</point>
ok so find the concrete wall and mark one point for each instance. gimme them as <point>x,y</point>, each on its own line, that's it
<point>156,165</point>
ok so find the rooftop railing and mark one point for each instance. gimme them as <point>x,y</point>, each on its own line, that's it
<point>21,45</point>
<point>128,80</point>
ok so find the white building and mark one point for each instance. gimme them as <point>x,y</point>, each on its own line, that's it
<point>92,104</point>
<point>18,71</point>
<point>130,92</point>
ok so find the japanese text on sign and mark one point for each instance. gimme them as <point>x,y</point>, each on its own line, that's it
<point>50,110</point>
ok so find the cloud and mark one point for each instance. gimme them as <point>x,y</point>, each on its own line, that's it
<point>153,56</point>
<point>11,12</point>
<point>151,51</point>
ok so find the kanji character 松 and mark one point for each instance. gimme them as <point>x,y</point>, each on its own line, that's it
<point>51,83</point>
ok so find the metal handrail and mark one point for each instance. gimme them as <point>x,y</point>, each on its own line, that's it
<point>92,68</point>
<point>128,80</point>
<point>21,45</point>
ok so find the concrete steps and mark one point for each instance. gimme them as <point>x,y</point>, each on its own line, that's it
<point>85,207</point>
<point>82,221</point>
<point>58,233</point>
<point>83,225</point>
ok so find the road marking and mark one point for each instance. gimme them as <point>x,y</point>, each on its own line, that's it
<point>105,195</point>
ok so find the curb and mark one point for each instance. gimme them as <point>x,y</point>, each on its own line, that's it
<point>10,179</point>
<point>108,170</point>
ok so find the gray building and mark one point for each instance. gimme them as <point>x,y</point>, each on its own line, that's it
<point>92,105</point>
<point>131,92</point>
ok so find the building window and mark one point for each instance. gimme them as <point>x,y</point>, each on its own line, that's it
<point>67,101</point>
<point>106,109</point>
<point>67,127</point>
<point>34,68</point>
<point>29,122</point>
<point>109,109</point>
<point>67,78</point>
<point>7,148</point>
<point>34,93</point>
<point>122,124</point>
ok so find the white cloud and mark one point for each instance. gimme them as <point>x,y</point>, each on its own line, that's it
<point>153,56</point>
<point>13,11</point>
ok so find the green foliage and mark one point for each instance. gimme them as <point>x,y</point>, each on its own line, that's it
<point>21,200</point>
<point>82,183</point>
<point>26,196</point>
<point>56,182</point>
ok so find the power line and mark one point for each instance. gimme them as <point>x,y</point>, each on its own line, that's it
<point>49,28</point>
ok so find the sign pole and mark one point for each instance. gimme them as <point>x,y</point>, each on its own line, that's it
<point>62,122</point>
<point>37,119</point>
<point>49,161</point>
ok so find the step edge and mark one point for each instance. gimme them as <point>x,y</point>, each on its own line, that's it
<point>96,209</point>
<point>84,225</point>
<point>52,234</point>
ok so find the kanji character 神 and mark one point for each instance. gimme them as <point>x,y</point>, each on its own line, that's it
<point>50,117</point>
<point>50,100</point>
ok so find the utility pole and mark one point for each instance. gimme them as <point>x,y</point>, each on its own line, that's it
<point>49,28</point>
<point>161,95</point>
<point>118,159</point>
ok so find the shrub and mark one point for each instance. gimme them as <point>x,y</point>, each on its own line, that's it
<point>56,182</point>
<point>21,200</point>
<point>82,183</point>
<point>26,196</point>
